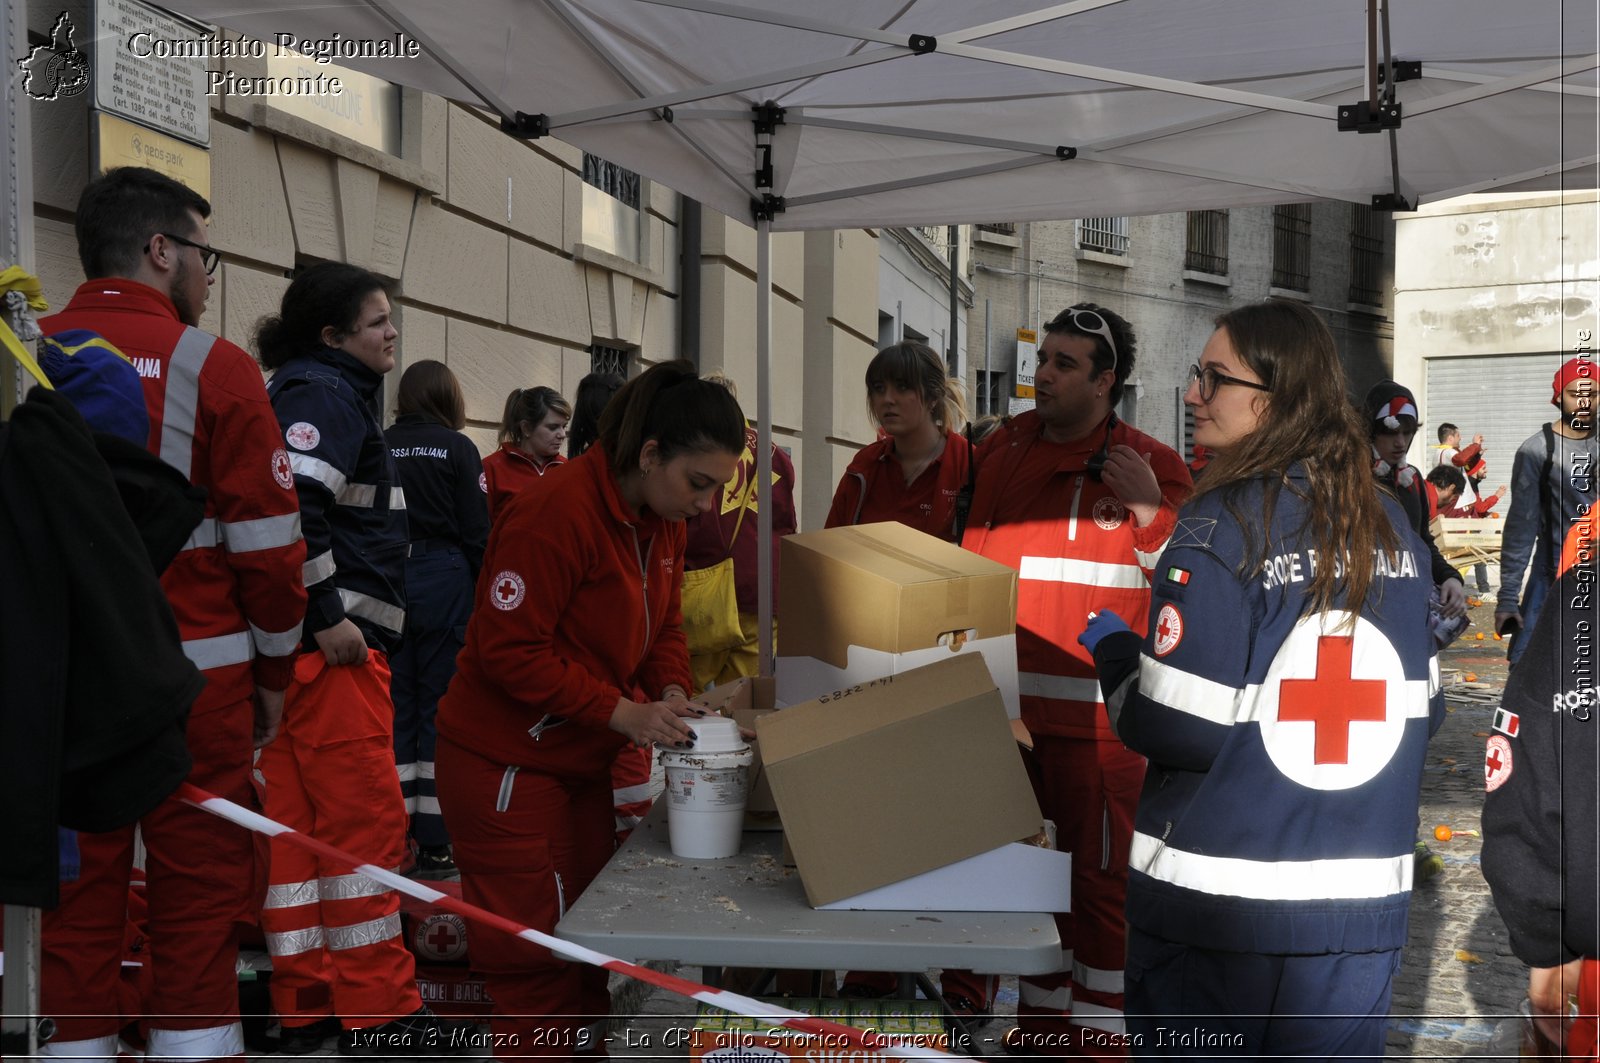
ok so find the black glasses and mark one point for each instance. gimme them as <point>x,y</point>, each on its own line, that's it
<point>1210,380</point>
<point>1095,325</point>
<point>209,256</point>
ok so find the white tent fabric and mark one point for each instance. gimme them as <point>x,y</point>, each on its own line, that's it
<point>906,112</point>
<point>899,112</point>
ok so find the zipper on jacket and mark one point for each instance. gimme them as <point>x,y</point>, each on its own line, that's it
<point>561,897</point>
<point>1072,513</point>
<point>503,801</point>
<point>644,590</point>
<point>1105,836</point>
<point>548,721</point>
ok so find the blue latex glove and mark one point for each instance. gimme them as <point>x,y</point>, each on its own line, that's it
<point>1103,623</point>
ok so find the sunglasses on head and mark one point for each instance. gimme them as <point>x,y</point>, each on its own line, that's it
<point>1094,324</point>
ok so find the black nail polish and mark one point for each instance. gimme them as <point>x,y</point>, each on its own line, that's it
<point>692,735</point>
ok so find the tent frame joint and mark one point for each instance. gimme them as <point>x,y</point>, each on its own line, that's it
<point>768,117</point>
<point>526,126</point>
<point>922,43</point>
<point>1363,117</point>
<point>1404,70</point>
<point>1065,152</point>
<point>1393,202</point>
<point>767,207</point>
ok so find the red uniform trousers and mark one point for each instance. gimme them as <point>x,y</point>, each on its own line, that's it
<point>1090,789</point>
<point>334,935</point>
<point>1582,1037</point>
<point>528,844</point>
<point>200,872</point>
<point>630,788</point>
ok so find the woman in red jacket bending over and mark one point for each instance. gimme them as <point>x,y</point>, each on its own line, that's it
<point>918,466</point>
<point>574,650</point>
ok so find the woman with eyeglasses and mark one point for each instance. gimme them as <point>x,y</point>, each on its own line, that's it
<point>1080,504</point>
<point>1284,695</point>
<point>917,467</point>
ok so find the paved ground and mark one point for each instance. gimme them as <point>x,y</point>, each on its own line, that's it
<point>1458,981</point>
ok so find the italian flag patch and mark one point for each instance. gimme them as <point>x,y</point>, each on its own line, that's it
<point>1177,575</point>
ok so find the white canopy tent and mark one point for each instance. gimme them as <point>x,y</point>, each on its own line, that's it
<point>843,113</point>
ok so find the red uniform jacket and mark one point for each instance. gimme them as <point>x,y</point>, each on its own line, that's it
<point>507,471</point>
<point>236,587</point>
<point>1076,549</point>
<point>708,533</point>
<point>577,605</point>
<point>872,489</point>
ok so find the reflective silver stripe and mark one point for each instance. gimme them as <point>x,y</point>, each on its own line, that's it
<point>1058,999</point>
<point>425,769</point>
<point>318,470</point>
<point>294,942</point>
<point>397,498</point>
<point>371,932</point>
<point>215,1042</point>
<point>407,772</point>
<point>204,536</point>
<point>181,402</point>
<point>346,887</point>
<point>263,533</point>
<point>318,568</point>
<point>428,806</point>
<point>628,822</point>
<point>391,617</point>
<point>292,894</point>
<point>1097,979</point>
<point>275,643</point>
<point>220,650</point>
<point>627,795</point>
<point>1062,687</point>
<point>410,801</point>
<point>93,1048</point>
<point>1148,558</point>
<point>1097,1017</point>
<point>1351,878</point>
<point>1084,573</point>
<point>361,496</point>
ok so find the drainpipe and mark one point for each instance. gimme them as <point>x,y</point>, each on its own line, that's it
<point>689,289</point>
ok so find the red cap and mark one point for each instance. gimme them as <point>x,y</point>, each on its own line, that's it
<point>1580,368</point>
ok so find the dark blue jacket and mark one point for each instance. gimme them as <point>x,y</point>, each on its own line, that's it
<point>352,508</point>
<point>442,474</point>
<point>1279,810</point>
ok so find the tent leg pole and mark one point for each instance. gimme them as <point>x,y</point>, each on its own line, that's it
<point>764,435</point>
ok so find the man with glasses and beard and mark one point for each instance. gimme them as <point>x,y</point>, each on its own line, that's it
<point>1081,504</point>
<point>237,594</point>
<point>1552,485</point>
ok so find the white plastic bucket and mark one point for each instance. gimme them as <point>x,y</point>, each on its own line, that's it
<point>706,790</point>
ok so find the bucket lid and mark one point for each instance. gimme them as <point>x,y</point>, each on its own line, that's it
<point>716,734</point>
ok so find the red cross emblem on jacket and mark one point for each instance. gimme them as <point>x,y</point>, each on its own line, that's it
<point>1332,700</point>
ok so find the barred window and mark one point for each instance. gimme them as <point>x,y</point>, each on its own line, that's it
<point>1291,247</point>
<point>1004,228</point>
<point>1366,255</point>
<point>1107,235</point>
<point>1207,248</point>
<point>611,179</point>
<point>603,359</point>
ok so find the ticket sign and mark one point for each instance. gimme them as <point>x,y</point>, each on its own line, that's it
<point>121,143</point>
<point>147,69</point>
<point>1027,359</point>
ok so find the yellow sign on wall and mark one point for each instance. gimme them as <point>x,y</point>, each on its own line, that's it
<point>123,143</point>
<point>1027,359</point>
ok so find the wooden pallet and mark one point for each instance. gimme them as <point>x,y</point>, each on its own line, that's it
<point>1468,540</point>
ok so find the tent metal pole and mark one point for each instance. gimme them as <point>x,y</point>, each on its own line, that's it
<point>764,435</point>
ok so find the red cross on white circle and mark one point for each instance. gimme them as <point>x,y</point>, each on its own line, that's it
<point>507,590</point>
<point>1496,763</point>
<point>1332,700</point>
<point>1169,630</point>
<point>442,938</point>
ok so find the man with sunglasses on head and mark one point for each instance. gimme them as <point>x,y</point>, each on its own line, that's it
<point>237,594</point>
<point>1081,504</point>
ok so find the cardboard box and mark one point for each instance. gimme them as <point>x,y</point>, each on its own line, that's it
<point>719,1035</point>
<point>747,701</point>
<point>897,777</point>
<point>873,600</point>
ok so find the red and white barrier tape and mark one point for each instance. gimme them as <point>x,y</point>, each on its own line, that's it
<point>835,1033</point>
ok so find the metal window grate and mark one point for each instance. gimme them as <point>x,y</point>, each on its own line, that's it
<point>604,359</point>
<point>1106,235</point>
<point>611,179</point>
<point>1366,255</point>
<point>1207,248</point>
<point>1291,247</point>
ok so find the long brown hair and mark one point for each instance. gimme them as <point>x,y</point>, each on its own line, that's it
<point>1309,419</point>
<point>429,387</point>
<point>697,415</point>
